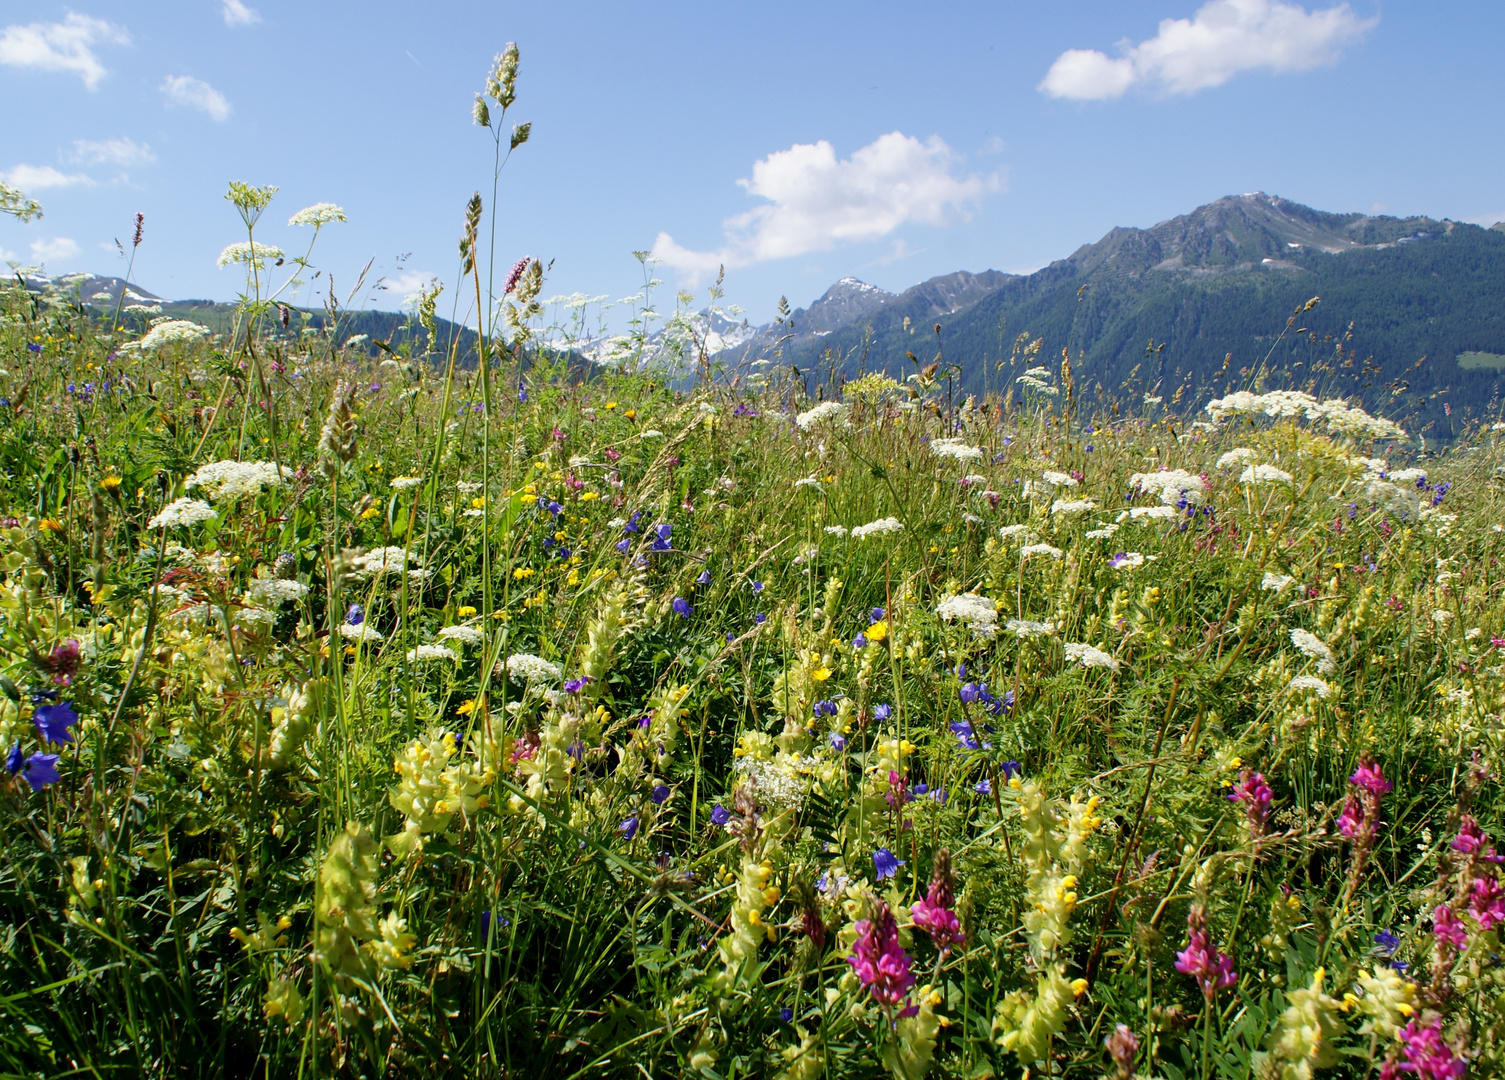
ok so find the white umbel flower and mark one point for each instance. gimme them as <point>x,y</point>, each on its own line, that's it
<point>466,635</point>
<point>1040,549</point>
<point>1072,506</point>
<point>826,410</point>
<point>182,512</point>
<point>273,592</point>
<point>1089,656</point>
<point>1264,474</point>
<point>1059,479</point>
<point>379,561</point>
<point>877,528</point>
<point>363,632</point>
<point>956,450</point>
<point>1171,486</point>
<point>432,652</point>
<point>173,332</point>
<point>255,620</point>
<point>1239,455</point>
<point>1024,629</point>
<point>317,214</point>
<point>975,612</point>
<point>245,251</point>
<point>406,483</point>
<point>234,479</point>
<point>525,667</point>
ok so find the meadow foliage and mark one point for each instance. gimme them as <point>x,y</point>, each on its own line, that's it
<point>366,713</point>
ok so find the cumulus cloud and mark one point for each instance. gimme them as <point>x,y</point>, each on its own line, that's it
<point>58,249</point>
<point>1223,38</point>
<point>61,46</point>
<point>123,152</point>
<point>39,177</point>
<point>405,284</point>
<point>237,14</point>
<point>816,202</point>
<point>196,94</point>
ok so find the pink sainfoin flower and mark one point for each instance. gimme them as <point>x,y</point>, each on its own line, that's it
<point>1351,820</point>
<point>1368,777</point>
<point>1255,794</point>
<point>898,790</point>
<point>1447,928</point>
<point>1202,960</point>
<point>1486,902</point>
<point>934,914</point>
<point>1427,1057</point>
<point>881,965</point>
<point>1360,820</point>
<point>1472,841</point>
<point>1123,1048</point>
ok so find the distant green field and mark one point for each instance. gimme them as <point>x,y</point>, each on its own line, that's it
<point>1473,361</point>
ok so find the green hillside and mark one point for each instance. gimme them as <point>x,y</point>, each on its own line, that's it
<point>1218,285</point>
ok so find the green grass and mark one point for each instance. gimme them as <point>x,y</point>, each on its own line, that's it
<point>1478,361</point>
<point>510,722</point>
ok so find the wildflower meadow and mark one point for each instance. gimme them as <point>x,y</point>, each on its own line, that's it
<point>400,710</point>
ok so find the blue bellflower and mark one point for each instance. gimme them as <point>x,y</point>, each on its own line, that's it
<point>53,722</point>
<point>41,770</point>
<point>884,863</point>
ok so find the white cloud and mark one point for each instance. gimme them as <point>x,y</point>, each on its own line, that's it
<point>237,14</point>
<point>38,177</point>
<point>195,94</point>
<point>124,152</point>
<point>404,284</point>
<point>817,202</point>
<point>61,46</point>
<point>58,249</point>
<point>1223,38</point>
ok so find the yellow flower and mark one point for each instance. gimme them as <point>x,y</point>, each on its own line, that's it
<point>934,548</point>
<point>478,502</point>
<point>467,707</point>
<point>878,631</point>
<point>110,483</point>
<point>631,414</point>
<point>522,572</point>
<point>50,525</point>
<point>465,612</point>
<point>370,512</point>
<point>587,496</point>
<point>1078,987</point>
<point>820,674</point>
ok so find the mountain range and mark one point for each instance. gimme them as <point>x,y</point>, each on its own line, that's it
<point>1410,317</point>
<point>1194,307</point>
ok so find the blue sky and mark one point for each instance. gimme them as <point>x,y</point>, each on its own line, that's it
<point>795,142</point>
